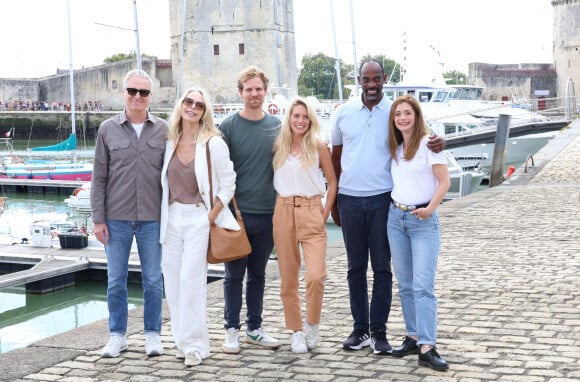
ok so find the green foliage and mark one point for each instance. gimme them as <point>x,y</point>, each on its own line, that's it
<point>455,77</point>
<point>122,57</point>
<point>317,77</point>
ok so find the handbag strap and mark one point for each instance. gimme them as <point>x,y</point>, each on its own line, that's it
<point>208,157</point>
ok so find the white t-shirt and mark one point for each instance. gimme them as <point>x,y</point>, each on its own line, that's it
<point>292,179</point>
<point>138,128</point>
<point>415,181</point>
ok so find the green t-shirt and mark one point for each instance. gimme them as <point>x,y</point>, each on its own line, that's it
<point>251,146</point>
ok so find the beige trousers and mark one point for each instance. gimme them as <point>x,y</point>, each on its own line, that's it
<point>297,221</point>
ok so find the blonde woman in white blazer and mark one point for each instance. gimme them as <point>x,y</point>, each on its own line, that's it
<point>186,218</point>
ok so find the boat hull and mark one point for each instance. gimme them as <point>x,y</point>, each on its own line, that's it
<point>53,171</point>
<point>518,150</point>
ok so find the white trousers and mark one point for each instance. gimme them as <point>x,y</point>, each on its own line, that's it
<point>184,266</point>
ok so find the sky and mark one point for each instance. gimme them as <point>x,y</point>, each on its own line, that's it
<point>458,32</point>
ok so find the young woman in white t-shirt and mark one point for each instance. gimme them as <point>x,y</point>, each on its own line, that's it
<point>421,179</point>
<point>300,218</point>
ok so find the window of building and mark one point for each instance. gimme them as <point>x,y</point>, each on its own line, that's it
<point>216,50</point>
<point>241,48</point>
<point>114,84</point>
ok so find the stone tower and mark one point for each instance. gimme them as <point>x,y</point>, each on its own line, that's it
<point>567,43</point>
<point>223,37</point>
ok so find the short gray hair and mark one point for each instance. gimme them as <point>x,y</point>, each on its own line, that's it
<point>137,73</point>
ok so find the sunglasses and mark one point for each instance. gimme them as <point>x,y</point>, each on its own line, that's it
<point>142,92</point>
<point>198,105</point>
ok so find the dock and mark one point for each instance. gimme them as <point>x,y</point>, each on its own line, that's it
<point>56,266</point>
<point>40,186</point>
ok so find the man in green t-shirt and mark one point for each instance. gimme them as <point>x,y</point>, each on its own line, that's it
<point>250,135</point>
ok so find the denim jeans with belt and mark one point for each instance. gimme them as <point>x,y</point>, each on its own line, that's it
<point>363,222</point>
<point>415,248</point>
<point>118,249</point>
<point>259,230</point>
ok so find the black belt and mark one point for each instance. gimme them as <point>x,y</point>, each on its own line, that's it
<point>404,207</point>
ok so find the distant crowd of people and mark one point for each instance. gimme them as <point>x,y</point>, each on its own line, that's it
<point>165,183</point>
<point>53,106</point>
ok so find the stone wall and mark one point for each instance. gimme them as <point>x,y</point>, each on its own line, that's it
<point>567,43</point>
<point>513,81</point>
<point>102,83</point>
<point>223,37</point>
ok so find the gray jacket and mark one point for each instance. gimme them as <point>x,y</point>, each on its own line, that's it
<point>127,171</point>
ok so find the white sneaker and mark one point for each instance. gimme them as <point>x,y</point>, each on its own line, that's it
<point>312,335</point>
<point>232,341</point>
<point>299,343</point>
<point>258,337</point>
<point>193,359</point>
<point>153,345</point>
<point>115,345</point>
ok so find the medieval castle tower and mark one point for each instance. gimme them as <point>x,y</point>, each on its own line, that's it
<point>567,43</point>
<point>223,37</point>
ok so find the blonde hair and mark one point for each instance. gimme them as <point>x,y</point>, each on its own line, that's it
<point>309,141</point>
<point>419,130</point>
<point>207,128</point>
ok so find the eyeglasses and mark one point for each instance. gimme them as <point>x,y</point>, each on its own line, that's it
<point>142,92</point>
<point>198,105</point>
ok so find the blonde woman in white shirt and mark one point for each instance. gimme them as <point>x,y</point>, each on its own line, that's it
<point>299,219</point>
<point>186,217</point>
<point>421,179</point>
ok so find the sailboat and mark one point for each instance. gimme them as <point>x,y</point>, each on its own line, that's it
<point>49,169</point>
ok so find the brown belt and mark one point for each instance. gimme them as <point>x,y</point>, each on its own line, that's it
<point>300,201</point>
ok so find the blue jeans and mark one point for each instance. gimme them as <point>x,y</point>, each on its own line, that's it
<point>415,248</point>
<point>259,230</point>
<point>363,228</point>
<point>118,249</point>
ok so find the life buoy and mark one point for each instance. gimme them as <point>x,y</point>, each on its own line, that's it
<point>272,108</point>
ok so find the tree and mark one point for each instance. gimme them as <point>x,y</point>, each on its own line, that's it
<point>317,76</point>
<point>122,56</point>
<point>455,77</point>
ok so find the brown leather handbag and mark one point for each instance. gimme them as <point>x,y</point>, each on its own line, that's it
<point>225,244</point>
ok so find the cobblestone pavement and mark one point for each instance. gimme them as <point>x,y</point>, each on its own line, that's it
<point>508,286</point>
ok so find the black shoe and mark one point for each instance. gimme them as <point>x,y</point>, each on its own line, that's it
<point>433,360</point>
<point>409,346</point>
<point>357,340</point>
<point>379,343</point>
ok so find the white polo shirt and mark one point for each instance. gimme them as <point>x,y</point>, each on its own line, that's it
<point>364,136</point>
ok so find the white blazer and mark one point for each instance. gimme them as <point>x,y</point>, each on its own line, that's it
<point>223,179</point>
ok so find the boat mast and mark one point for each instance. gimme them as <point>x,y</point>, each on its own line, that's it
<point>337,60</point>
<point>355,66</point>
<point>71,78</point>
<point>138,49</point>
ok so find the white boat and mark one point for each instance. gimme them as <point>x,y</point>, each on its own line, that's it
<point>468,98</point>
<point>80,199</point>
<point>446,120</point>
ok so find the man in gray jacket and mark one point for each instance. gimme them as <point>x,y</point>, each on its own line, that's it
<point>126,204</point>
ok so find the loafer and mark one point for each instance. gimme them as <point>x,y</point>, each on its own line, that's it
<point>409,346</point>
<point>433,360</point>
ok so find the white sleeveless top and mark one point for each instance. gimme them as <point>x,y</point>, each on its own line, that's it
<point>291,179</point>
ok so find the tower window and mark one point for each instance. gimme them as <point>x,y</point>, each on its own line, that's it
<point>216,50</point>
<point>241,48</point>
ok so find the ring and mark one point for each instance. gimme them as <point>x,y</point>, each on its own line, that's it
<point>420,218</point>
